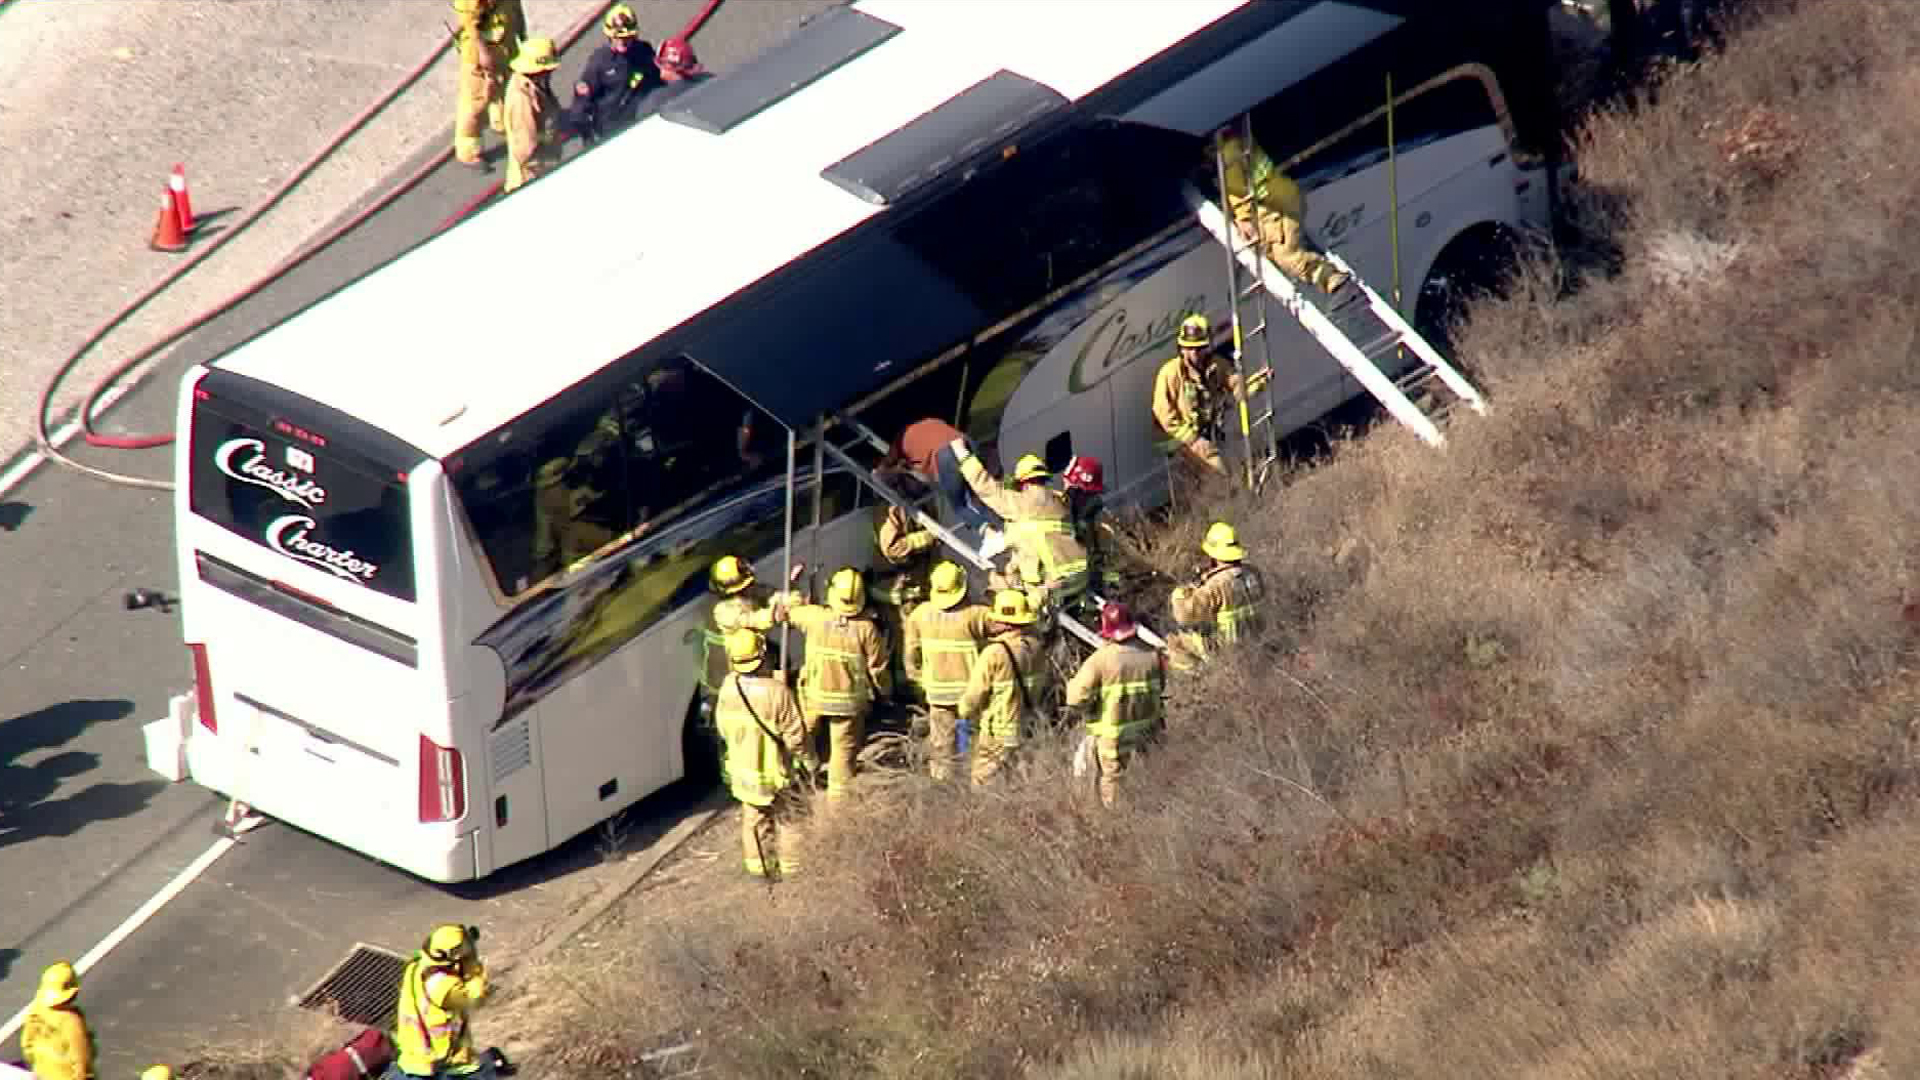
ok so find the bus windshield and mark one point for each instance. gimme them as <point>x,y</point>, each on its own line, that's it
<point>301,493</point>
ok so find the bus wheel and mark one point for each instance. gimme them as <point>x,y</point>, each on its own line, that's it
<point>700,747</point>
<point>1474,265</point>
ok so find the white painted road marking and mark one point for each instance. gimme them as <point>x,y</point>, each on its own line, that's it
<point>134,921</point>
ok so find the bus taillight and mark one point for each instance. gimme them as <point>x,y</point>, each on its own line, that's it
<point>443,787</point>
<point>203,688</point>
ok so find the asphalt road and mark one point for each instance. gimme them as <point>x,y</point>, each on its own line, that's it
<point>87,834</point>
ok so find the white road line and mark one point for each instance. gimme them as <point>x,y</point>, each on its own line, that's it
<point>134,921</point>
<point>60,437</point>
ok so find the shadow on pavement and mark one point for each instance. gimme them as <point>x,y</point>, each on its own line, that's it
<point>7,960</point>
<point>43,729</point>
<point>13,514</point>
<point>23,786</point>
<point>64,817</point>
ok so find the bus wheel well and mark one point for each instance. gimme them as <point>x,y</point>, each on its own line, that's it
<point>1475,264</point>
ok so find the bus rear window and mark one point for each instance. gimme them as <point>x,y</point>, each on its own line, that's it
<point>299,493</point>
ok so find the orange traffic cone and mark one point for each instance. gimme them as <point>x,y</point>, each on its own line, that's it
<point>182,205</point>
<point>167,235</point>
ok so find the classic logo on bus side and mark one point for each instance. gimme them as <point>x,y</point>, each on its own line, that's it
<point>1113,343</point>
<point>253,469</point>
<point>292,536</point>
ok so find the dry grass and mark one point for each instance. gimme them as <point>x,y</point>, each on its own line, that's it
<point>1584,749</point>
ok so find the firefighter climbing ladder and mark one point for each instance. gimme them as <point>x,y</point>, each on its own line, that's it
<point>1356,325</point>
<point>945,535</point>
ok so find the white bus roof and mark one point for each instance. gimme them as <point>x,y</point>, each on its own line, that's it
<point>471,329</point>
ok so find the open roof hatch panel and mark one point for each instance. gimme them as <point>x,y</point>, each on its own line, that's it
<point>995,108</point>
<point>835,37</point>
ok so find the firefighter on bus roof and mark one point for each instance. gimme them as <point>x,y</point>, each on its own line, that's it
<point>534,131</point>
<point>1220,609</point>
<point>768,756</point>
<point>54,1038</point>
<point>943,636</point>
<point>1189,391</point>
<point>847,669</point>
<point>439,987</point>
<point>489,35</point>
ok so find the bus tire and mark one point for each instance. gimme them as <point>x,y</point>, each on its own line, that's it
<point>699,748</point>
<point>1474,265</point>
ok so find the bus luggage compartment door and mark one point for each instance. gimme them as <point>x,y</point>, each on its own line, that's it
<point>515,811</point>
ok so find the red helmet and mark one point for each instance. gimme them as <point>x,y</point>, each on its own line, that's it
<point>677,54</point>
<point>1084,474</point>
<point>1116,622</point>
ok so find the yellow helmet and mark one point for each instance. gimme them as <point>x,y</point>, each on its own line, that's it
<point>620,22</point>
<point>58,985</point>
<point>746,647</point>
<point>536,55</point>
<point>1223,543</point>
<point>157,1072</point>
<point>1011,606</point>
<point>1029,467</point>
<point>846,593</point>
<point>1195,332</point>
<point>447,941</point>
<point>948,586</point>
<point>730,574</point>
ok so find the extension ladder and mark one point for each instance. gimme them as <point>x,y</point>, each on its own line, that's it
<point>1356,325</point>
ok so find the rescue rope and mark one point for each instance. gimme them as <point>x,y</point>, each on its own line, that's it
<point>42,436</point>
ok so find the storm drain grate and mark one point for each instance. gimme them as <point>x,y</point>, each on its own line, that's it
<point>362,989</point>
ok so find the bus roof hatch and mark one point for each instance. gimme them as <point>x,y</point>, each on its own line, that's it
<point>822,45</point>
<point>997,107</point>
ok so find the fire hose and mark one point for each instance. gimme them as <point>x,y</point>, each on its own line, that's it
<point>42,436</point>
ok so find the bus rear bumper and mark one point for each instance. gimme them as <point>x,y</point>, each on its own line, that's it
<point>432,852</point>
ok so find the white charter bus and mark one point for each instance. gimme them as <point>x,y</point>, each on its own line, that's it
<point>443,563</point>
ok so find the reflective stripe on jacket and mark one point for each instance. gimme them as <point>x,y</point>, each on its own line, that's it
<point>1039,526</point>
<point>1182,402</point>
<point>941,646</point>
<point>749,609</point>
<point>430,1030</point>
<point>1127,679</point>
<point>756,764</point>
<point>56,1043</point>
<point>846,666</point>
<point>1226,603</point>
<point>1006,686</point>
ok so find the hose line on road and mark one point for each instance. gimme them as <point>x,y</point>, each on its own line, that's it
<point>44,439</point>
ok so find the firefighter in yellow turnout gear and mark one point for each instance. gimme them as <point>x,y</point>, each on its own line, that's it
<point>490,32</point>
<point>54,1037</point>
<point>743,603</point>
<point>943,637</point>
<point>1009,680</point>
<point>1188,392</point>
<point>1039,524</point>
<point>1270,209</point>
<point>438,988</point>
<point>847,670</point>
<point>1124,685</point>
<point>905,548</point>
<point>1223,607</point>
<point>534,134</point>
<point>769,755</point>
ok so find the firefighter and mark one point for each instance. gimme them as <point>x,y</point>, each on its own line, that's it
<point>847,670</point>
<point>55,1040</point>
<point>533,116</point>
<point>571,520</point>
<point>1039,524</point>
<point>439,987</point>
<point>743,603</point>
<point>1123,685</point>
<point>489,35</point>
<point>931,451</point>
<point>1084,485</point>
<point>1005,687</point>
<point>1223,606</point>
<point>943,637</point>
<point>905,548</point>
<point>615,77</point>
<point>1272,213</point>
<point>1188,393</point>
<point>769,756</point>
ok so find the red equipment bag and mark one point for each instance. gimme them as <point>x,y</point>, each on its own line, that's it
<point>366,1055</point>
